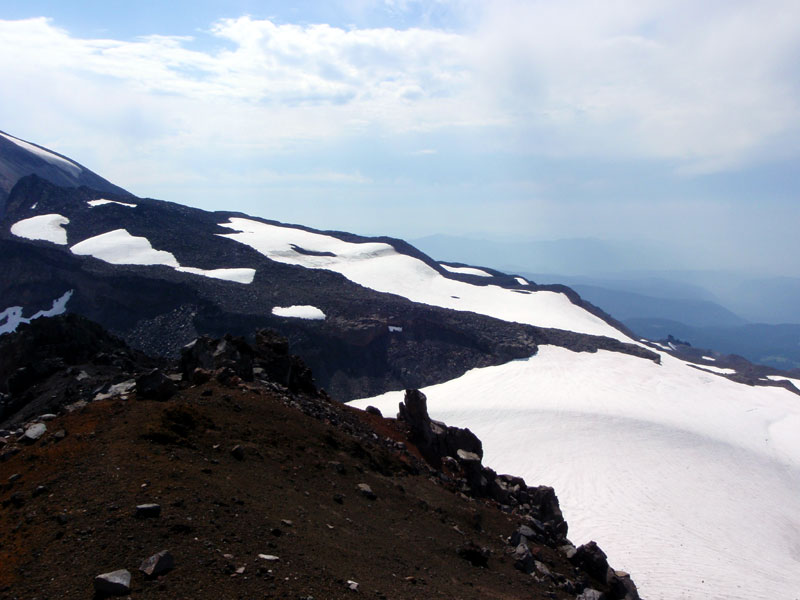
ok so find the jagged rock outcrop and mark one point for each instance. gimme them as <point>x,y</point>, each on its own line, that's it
<point>458,453</point>
<point>434,439</point>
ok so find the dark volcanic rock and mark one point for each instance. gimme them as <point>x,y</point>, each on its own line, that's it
<point>476,555</point>
<point>155,385</point>
<point>158,564</point>
<point>146,511</point>
<point>115,583</point>
<point>278,365</point>
<point>592,559</point>
<point>435,440</point>
<point>211,354</point>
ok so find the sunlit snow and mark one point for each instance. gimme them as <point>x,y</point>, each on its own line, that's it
<point>521,281</point>
<point>380,267</point>
<point>103,201</point>
<point>465,270</point>
<point>53,159</point>
<point>48,228</point>
<point>11,317</point>
<point>240,275</point>
<point>119,247</point>
<point>795,382</point>
<point>302,311</point>
<point>720,370</point>
<point>687,480</point>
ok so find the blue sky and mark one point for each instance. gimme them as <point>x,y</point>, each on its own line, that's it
<point>669,123</point>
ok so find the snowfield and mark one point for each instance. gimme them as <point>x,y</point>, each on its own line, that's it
<point>53,159</point>
<point>48,228</point>
<point>687,480</point>
<point>465,270</point>
<point>119,247</point>
<point>303,311</point>
<point>380,267</point>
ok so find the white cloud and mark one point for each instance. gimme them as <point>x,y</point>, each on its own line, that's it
<point>704,86</point>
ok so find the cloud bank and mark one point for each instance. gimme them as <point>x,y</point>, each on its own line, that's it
<point>514,92</point>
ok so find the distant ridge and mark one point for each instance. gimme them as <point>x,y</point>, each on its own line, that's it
<point>21,158</point>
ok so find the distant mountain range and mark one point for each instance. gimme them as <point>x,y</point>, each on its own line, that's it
<point>734,313</point>
<point>668,455</point>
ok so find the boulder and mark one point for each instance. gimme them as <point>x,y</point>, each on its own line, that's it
<point>115,583</point>
<point>146,511</point>
<point>33,433</point>
<point>523,559</point>
<point>158,564</point>
<point>591,559</point>
<point>155,385</point>
<point>590,594</point>
<point>621,585</point>
<point>366,491</point>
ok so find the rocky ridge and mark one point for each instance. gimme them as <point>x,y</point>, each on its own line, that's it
<point>229,475</point>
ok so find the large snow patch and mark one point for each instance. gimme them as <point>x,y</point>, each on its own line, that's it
<point>688,480</point>
<point>380,267</point>
<point>49,228</point>
<point>119,247</point>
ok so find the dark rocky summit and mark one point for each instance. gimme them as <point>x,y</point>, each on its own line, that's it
<point>315,500</point>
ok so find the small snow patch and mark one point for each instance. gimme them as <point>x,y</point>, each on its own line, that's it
<point>48,228</point>
<point>465,270</point>
<point>103,201</point>
<point>299,312</point>
<point>11,317</point>
<point>720,370</point>
<point>237,275</point>
<point>711,358</point>
<point>394,329</point>
<point>521,281</point>
<point>794,382</point>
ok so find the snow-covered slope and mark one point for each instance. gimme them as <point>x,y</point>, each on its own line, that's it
<point>690,481</point>
<point>58,161</point>
<point>381,267</point>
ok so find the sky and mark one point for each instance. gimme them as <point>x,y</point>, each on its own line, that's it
<point>669,124</point>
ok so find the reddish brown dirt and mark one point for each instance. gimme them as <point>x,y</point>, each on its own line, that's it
<point>122,453</point>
